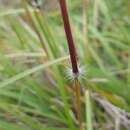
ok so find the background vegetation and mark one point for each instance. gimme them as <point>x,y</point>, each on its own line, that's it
<point>35,87</point>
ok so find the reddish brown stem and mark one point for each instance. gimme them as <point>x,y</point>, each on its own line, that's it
<point>69,36</point>
<point>73,58</point>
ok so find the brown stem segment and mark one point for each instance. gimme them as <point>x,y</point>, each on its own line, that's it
<point>69,36</point>
<point>78,102</point>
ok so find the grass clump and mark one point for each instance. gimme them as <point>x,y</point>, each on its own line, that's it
<point>34,55</point>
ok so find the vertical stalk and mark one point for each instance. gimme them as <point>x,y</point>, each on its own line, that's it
<point>96,13</point>
<point>89,125</point>
<point>85,29</point>
<point>85,21</point>
<point>128,75</point>
<point>69,37</point>
<point>78,102</point>
<point>33,23</point>
<point>73,58</point>
<point>95,18</point>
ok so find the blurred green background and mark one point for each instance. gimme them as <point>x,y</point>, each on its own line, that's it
<point>35,93</point>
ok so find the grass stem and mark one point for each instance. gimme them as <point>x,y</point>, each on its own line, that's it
<point>88,111</point>
<point>78,102</point>
<point>69,36</point>
<point>73,58</point>
<point>85,30</point>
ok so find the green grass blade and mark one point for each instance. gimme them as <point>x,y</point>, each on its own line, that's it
<point>31,71</point>
<point>88,111</point>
